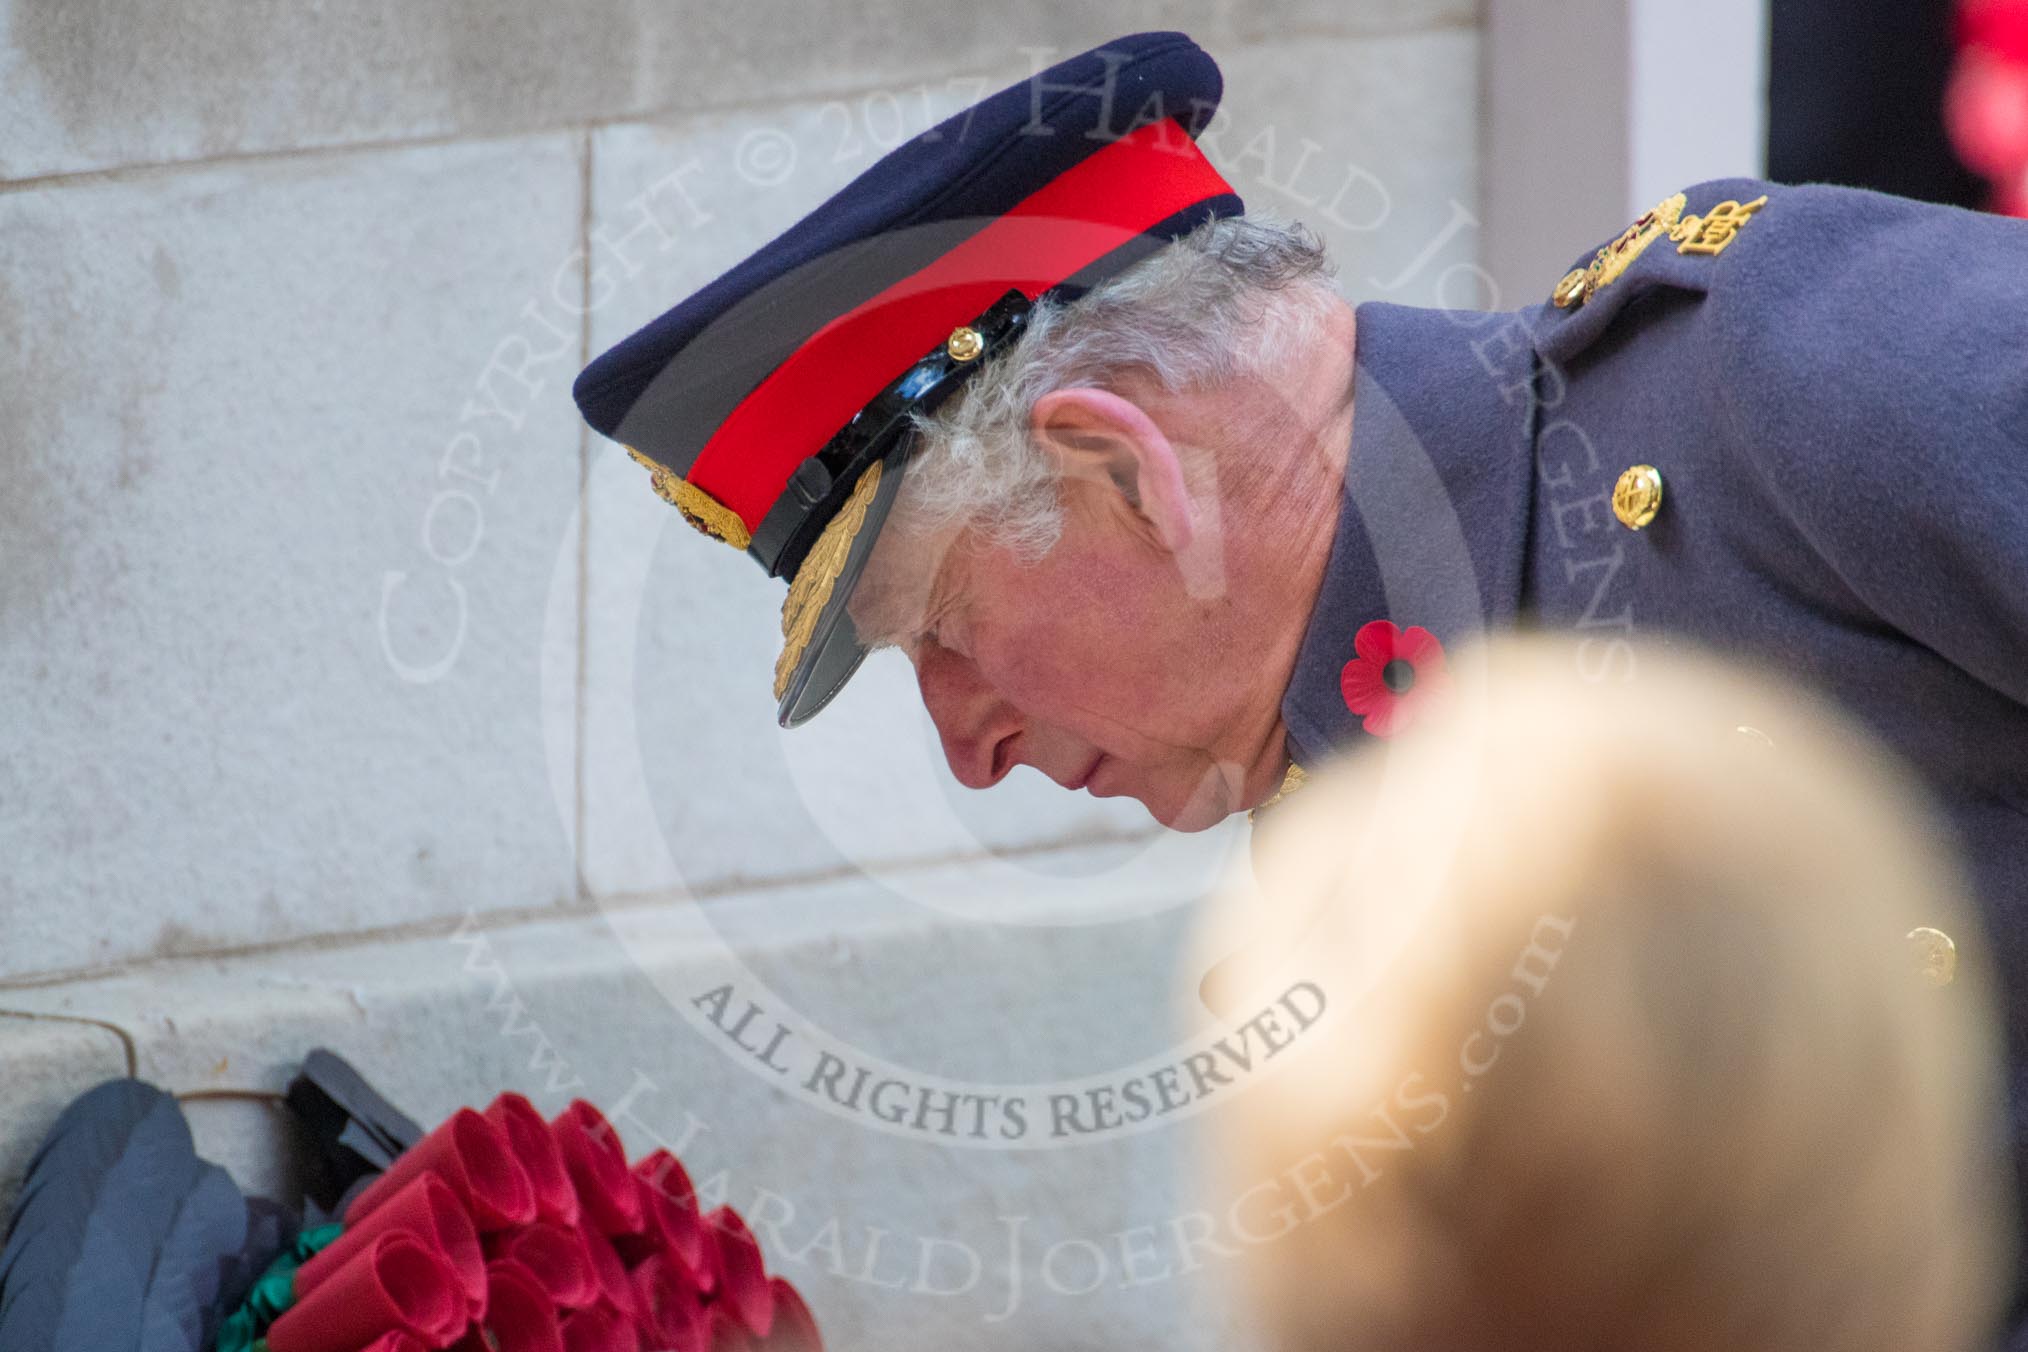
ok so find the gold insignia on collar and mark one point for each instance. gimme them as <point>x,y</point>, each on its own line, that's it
<point>1716,228</point>
<point>1292,779</point>
<point>818,574</point>
<point>1615,258</point>
<point>699,508</point>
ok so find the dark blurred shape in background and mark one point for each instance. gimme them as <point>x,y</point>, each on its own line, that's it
<point>1986,106</point>
<point>1925,98</point>
<point>1856,97</point>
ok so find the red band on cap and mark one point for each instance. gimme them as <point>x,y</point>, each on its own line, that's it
<point>1077,218</point>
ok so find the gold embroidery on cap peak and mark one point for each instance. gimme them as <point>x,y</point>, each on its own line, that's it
<point>699,508</point>
<point>811,589</point>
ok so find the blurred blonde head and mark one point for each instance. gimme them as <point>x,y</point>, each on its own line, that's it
<point>1629,1046</point>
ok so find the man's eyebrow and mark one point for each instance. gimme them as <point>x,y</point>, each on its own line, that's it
<point>871,609</point>
<point>895,616</point>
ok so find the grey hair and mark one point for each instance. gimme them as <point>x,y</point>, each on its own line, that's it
<point>1226,300</point>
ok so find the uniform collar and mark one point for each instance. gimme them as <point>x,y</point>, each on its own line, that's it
<point>1433,524</point>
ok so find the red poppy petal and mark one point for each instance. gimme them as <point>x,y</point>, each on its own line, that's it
<point>1420,646</point>
<point>743,1280</point>
<point>394,1342</point>
<point>424,1207</point>
<point>795,1327</point>
<point>1376,641</point>
<point>607,1269</point>
<point>600,1330</point>
<point>395,1283</point>
<point>724,1332</point>
<point>1389,719</point>
<point>1362,686</point>
<point>473,1157</point>
<point>520,1316</point>
<point>534,1145</point>
<point>558,1258</point>
<point>674,1222</point>
<point>668,1302</point>
<point>597,1165</point>
<point>1428,695</point>
<point>666,1174</point>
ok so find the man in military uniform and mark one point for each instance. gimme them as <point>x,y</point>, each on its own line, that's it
<point>1159,515</point>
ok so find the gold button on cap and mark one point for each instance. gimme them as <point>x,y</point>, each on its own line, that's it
<point>964,344</point>
<point>1570,290</point>
<point>1936,955</point>
<point>1638,496</point>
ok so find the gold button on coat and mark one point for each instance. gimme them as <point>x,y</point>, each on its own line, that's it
<point>1936,955</point>
<point>1638,496</point>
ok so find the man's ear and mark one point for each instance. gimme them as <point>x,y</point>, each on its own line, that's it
<point>1100,437</point>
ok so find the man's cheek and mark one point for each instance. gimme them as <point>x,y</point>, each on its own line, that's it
<point>1024,668</point>
<point>1039,692</point>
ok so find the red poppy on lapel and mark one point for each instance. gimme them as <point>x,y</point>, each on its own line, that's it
<point>1396,674</point>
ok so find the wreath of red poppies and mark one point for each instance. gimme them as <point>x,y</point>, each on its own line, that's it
<point>502,1232</point>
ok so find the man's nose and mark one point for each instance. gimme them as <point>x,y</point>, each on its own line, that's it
<point>977,727</point>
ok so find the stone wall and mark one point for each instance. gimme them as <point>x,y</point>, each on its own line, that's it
<point>346,681</point>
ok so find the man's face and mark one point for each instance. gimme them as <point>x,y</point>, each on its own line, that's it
<point>1094,664</point>
<point>1147,653</point>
